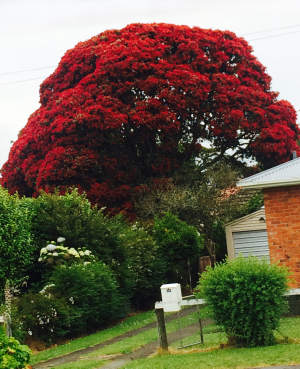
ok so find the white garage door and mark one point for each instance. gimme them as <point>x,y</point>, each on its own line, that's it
<point>251,241</point>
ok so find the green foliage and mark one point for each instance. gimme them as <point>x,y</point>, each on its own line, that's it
<point>147,268</point>
<point>178,240</point>
<point>246,297</point>
<point>79,297</point>
<point>196,197</point>
<point>16,245</point>
<point>179,244</point>
<point>42,316</point>
<point>16,322</point>
<point>255,203</point>
<point>219,237</point>
<point>62,216</point>
<point>12,354</point>
<point>92,294</point>
<point>72,217</point>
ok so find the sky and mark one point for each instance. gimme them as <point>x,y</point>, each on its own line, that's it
<point>35,34</point>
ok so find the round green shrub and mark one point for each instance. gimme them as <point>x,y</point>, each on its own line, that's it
<point>246,297</point>
<point>91,292</point>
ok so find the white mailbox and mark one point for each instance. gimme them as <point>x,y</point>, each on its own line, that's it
<point>171,296</point>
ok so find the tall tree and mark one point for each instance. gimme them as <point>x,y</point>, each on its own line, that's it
<point>204,199</point>
<point>132,105</point>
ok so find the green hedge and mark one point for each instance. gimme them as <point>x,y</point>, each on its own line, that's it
<point>16,243</point>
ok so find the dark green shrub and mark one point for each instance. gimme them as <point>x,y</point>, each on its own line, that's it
<point>12,354</point>
<point>16,244</point>
<point>179,246</point>
<point>42,316</point>
<point>72,217</point>
<point>79,299</point>
<point>147,268</point>
<point>92,294</point>
<point>246,297</point>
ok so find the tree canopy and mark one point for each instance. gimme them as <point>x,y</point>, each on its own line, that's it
<point>131,106</point>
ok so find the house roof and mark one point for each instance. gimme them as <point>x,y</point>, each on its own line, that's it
<point>286,174</point>
<point>258,215</point>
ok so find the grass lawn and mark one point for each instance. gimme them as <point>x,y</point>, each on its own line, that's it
<point>203,356</point>
<point>212,339</point>
<point>127,325</point>
<point>223,359</point>
<point>213,336</point>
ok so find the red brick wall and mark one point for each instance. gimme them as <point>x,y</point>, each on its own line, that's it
<point>282,206</point>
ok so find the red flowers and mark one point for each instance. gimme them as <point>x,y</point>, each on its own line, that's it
<point>131,105</point>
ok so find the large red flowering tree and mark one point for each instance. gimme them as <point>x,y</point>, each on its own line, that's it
<point>130,106</point>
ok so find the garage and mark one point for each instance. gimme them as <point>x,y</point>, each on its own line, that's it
<point>248,235</point>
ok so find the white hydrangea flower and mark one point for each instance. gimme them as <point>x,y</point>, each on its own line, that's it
<point>77,256</point>
<point>50,247</point>
<point>40,259</point>
<point>43,251</point>
<point>81,253</point>
<point>72,251</point>
<point>55,254</point>
<point>61,248</point>
<point>86,263</point>
<point>61,239</point>
<point>87,252</point>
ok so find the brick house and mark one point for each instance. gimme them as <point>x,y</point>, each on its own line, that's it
<point>281,190</point>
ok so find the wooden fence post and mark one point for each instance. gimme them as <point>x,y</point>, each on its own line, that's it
<point>161,326</point>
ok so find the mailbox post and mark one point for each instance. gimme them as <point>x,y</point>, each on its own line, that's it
<point>171,300</point>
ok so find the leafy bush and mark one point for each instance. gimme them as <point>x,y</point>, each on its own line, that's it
<point>42,317</point>
<point>16,244</point>
<point>147,268</point>
<point>246,297</point>
<point>80,297</point>
<point>92,294</point>
<point>179,244</point>
<point>12,354</point>
<point>65,216</point>
<point>72,217</point>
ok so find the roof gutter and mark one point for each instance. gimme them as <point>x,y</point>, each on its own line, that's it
<point>267,184</point>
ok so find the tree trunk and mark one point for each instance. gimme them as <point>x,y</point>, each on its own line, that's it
<point>210,246</point>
